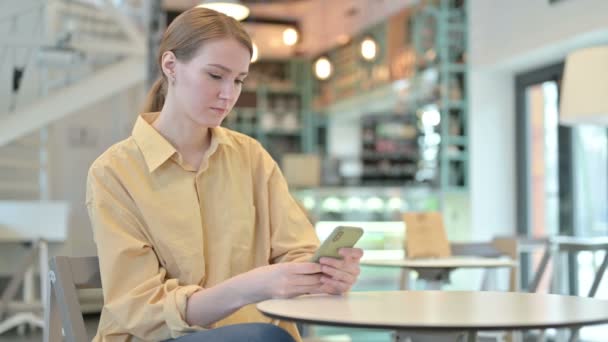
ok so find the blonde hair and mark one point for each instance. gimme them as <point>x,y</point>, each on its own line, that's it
<point>184,36</point>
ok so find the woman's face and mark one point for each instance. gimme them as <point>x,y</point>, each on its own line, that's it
<point>207,87</point>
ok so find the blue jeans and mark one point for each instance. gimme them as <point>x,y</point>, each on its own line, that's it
<point>246,332</point>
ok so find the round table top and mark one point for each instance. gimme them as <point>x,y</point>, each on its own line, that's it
<point>449,262</point>
<point>440,310</point>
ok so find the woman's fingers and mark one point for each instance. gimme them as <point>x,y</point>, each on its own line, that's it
<point>348,266</point>
<point>309,279</point>
<point>307,289</point>
<point>340,275</point>
<point>351,253</point>
<point>304,267</point>
<point>333,286</point>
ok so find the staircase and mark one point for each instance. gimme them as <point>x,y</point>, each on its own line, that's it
<point>23,168</point>
<point>59,57</point>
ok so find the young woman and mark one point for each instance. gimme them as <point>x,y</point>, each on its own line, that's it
<point>193,222</point>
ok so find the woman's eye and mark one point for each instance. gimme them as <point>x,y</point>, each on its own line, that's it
<point>239,82</point>
<point>215,77</point>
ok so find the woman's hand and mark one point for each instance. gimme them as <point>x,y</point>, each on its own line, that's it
<point>283,280</point>
<point>340,275</point>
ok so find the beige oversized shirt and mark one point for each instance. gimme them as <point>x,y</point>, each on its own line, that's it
<point>164,230</point>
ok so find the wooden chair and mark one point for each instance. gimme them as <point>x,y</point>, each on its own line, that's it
<point>506,247</point>
<point>67,276</point>
<point>29,311</point>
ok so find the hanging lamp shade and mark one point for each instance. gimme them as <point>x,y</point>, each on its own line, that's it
<point>584,93</point>
<point>231,8</point>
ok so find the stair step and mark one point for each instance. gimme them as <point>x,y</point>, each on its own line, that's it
<point>16,152</point>
<point>19,187</point>
<point>20,164</point>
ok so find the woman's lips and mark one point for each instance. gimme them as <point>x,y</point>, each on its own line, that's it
<point>218,111</point>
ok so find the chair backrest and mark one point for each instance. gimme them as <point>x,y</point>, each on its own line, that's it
<point>530,245</point>
<point>68,275</point>
<point>491,249</point>
<point>479,249</point>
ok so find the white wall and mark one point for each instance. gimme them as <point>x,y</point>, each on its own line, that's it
<point>507,38</point>
<point>492,163</point>
<point>76,141</point>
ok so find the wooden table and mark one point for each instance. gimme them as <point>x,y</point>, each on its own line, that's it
<point>441,311</point>
<point>436,271</point>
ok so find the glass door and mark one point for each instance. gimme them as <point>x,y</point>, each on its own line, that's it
<point>544,171</point>
<point>562,181</point>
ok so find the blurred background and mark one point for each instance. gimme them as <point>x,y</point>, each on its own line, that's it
<point>372,108</point>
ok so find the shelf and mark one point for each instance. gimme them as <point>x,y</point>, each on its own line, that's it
<point>449,91</point>
<point>457,140</point>
<point>451,156</point>
<point>279,132</point>
<point>457,27</point>
<point>274,90</point>
<point>455,189</point>
<point>365,174</point>
<point>392,156</point>
<point>457,68</point>
<point>452,104</point>
<point>242,128</point>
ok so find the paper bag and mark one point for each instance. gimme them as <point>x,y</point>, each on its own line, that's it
<point>425,235</point>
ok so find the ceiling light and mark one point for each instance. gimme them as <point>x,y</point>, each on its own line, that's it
<point>369,49</point>
<point>231,8</point>
<point>290,36</point>
<point>431,116</point>
<point>254,55</point>
<point>323,68</point>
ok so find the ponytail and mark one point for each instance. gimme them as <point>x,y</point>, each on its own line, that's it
<point>156,96</point>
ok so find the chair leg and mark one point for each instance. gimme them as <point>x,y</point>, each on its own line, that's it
<point>52,320</point>
<point>20,319</point>
<point>16,279</point>
<point>540,271</point>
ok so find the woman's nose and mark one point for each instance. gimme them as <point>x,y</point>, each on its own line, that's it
<point>228,91</point>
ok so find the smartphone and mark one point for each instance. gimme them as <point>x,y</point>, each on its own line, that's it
<point>341,237</point>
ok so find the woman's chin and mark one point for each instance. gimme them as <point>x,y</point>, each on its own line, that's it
<point>210,122</point>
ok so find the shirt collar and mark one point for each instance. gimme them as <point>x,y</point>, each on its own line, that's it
<point>156,149</point>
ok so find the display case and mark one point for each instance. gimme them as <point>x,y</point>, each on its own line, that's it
<point>377,210</point>
<point>390,152</point>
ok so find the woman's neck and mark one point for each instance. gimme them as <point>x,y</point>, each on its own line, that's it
<point>184,134</point>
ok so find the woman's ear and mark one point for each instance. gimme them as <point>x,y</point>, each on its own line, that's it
<point>168,62</point>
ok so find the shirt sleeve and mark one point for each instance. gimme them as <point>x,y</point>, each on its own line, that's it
<point>293,237</point>
<point>139,298</point>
